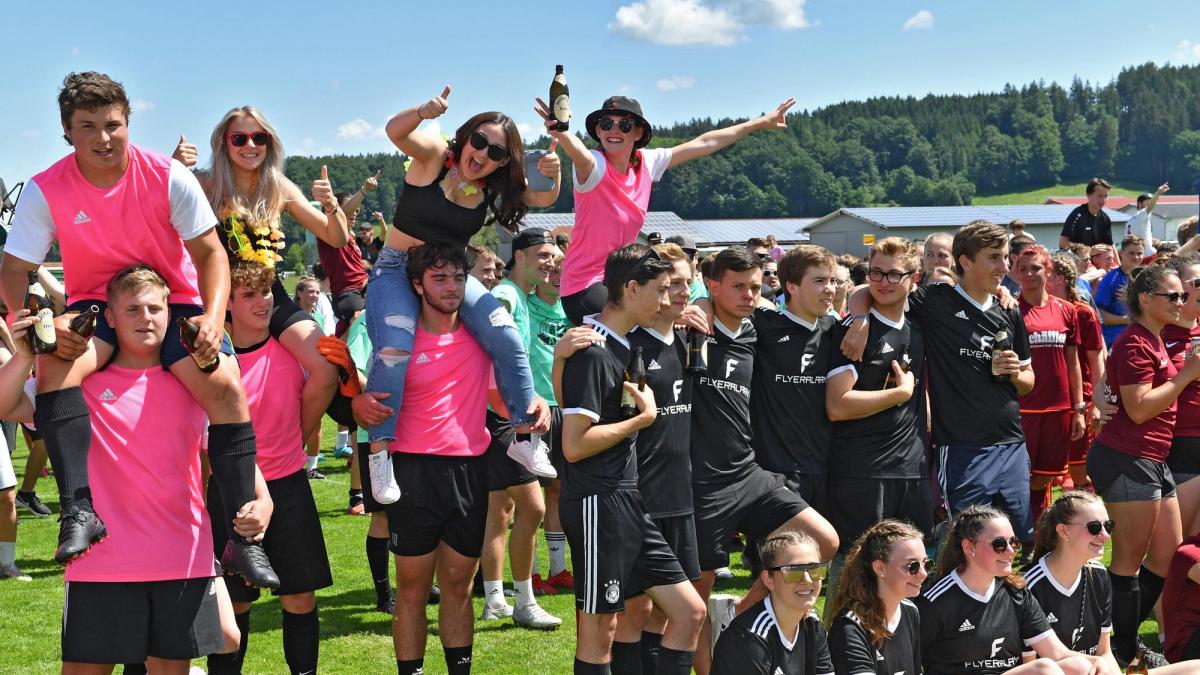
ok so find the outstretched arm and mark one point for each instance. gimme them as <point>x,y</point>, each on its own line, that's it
<point>330,226</point>
<point>402,130</point>
<point>355,201</point>
<point>712,141</point>
<point>580,156</point>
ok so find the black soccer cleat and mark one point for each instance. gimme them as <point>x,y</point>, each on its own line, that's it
<point>78,529</point>
<point>250,562</point>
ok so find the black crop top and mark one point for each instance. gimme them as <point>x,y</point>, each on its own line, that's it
<point>423,212</point>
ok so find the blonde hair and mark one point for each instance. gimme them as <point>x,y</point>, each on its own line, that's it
<point>896,247</point>
<point>670,252</point>
<point>266,204</point>
<point>134,278</point>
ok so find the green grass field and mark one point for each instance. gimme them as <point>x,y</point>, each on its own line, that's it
<point>1039,195</point>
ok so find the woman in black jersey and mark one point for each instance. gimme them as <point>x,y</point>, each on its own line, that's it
<point>978,617</point>
<point>876,629</point>
<point>1072,586</point>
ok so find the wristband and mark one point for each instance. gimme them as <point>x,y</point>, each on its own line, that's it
<point>1079,407</point>
<point>419,109</point>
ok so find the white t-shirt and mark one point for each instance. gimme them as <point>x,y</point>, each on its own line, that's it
<point>655,160</point>
<point>1139,225</point>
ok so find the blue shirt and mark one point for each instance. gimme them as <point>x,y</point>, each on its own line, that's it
<point>1108,299</point>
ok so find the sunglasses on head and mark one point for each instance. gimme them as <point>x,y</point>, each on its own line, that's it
<point>1095,526</point>
<point>913,567</point>
<point>607,123</point>
<point>1174,296</point>
<point>1001,544</point>
<point>795,573</point>
<point>495,151</point>
<point>239,138</point>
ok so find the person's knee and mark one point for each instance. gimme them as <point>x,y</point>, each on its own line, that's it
<point>690,615</point>
<point>530,506</point>
<point>298,603</point>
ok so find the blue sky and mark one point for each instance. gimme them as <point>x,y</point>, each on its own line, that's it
<point>329,75</point>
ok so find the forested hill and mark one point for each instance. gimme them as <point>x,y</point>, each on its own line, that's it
<point>1142,128</point>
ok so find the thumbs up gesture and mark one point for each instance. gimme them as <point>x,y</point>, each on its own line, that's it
<point>550,165</point>
<point>434,107</point>
<point>322,191</point>
<point>185,153</point>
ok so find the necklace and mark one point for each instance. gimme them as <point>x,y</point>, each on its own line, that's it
<point>465,187</point>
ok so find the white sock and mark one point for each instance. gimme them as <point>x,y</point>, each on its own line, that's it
<point>524,592</point>
<point>8,552</point>
<point>343,437</point>
<point>310,464</point>
<point>556,544</point>
<point>493,593</point>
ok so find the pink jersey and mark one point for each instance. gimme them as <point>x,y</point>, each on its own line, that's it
<point>144,463</point>
<point>1051,329</point>
<point>144,218</point>
<point>610,209</point>
<point>273,380</point>
<point>445,397</point>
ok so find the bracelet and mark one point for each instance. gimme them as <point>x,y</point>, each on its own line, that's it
<point>419,109</point>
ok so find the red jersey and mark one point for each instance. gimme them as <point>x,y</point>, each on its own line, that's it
<point>1051,328</point>
<point>1091,339</point>
<point>1187,417</point>
<point>343,265</point>
<point>1181,598</point>
<point>1138,356</point>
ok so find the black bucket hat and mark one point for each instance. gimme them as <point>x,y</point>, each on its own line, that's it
<point>619,105</point>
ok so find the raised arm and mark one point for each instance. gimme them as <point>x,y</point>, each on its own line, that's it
<point>329,226</point>
<point>355,201</point>
<point>580,156</point>
<point>549,166</point>
<point>402,130</point>
<point>712,141</point>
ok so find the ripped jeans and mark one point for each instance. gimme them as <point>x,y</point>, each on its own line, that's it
<point>392,311</point>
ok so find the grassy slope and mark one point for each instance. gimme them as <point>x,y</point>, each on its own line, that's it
<point>1039,195</point>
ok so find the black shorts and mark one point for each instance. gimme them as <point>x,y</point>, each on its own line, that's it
<point>812,488</point>
<point>286,313</point>
<point>34,434</point>
<point>616,550</point>
<point>364,475</point>
<point>680,534</point>
<point>172,349</point>
<point>757,505</point>
<point>294,541</point>
<point>502,471</point>
<point>584,303</point>
<point>349,302</point>
<point>1120,477</point>
<point>441,499</point>
<point>855,504</point>
<point>554,441</point>
<point>1184,460</point>
<point>128,621</point>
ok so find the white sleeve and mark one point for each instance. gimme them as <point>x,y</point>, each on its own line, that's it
<point>657,161</point>
<point>191,214</point>
<point>597,173</point>
<point>32,226</point>
<point>30,389</point>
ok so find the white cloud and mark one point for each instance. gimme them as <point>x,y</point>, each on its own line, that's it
<point>431,127</point>
<point>675,82</point>
<point>1187,50</point>
<point>718,23</point>
<point>141,105</point>
<point>308,143</point>
<point>624,89</point>
<point>359,130</point>
<point>29,133</point>
<point>922,20</point>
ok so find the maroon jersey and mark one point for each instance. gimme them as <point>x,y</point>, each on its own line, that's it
<point>1051,328</point>
<point>1138,356</point>
<point>1187,417</point>
<point>1091,339</point>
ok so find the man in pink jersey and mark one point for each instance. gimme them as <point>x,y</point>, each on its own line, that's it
<point>123,605</point>
<point>274,382</point>
<point>438,457</point>
<point>110,204</point>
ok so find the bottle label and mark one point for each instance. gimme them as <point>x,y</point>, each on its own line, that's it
<point>562,108</point>
<point>36,289</point>
<point>45,325</point>
<point>627,400</point>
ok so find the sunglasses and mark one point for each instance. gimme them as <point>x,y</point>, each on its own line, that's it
<point>239,138</point>
<point>794,574</point>
<point>495,151</point>
<point>1000,544</point>
<point>1194,283</point>
<point>607,123</point>
<point>1174,296</point>
<point>913,567</point>
<point>1095,526</point>
<point>893,277</point>
<point>769,273</point>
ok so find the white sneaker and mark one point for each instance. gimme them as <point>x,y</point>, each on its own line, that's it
<point>383,481</point>
<point>723,573</point>
<point>533,616</point>
<point>11,571</point>
<point>491,613</point>
<point>534,455</point>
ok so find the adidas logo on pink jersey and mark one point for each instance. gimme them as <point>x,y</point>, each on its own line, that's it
<point>82,218</point>
<point>108,396</point>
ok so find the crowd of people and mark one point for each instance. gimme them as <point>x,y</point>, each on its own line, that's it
<point>889,428</point>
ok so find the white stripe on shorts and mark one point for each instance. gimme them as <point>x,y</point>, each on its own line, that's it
<point>589,541</point>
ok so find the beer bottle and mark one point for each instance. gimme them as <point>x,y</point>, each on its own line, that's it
<point>696,348</point>
<point>1138,665</point>
<point>889,382</point>
<point>560,100</point>
<point>636,373</point>
<point>1002,343</point>
<point>42,337</point>
<point>84,324</point>
<point>187,337</point>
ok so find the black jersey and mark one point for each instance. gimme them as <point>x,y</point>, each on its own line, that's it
<point>968,406</point>
<point>591,384</point>
<point>1084,228</point>
<point>663,451</point>
<point>855,653</point>
<point>787,411</point>
<point>1080,614</point>
<point>967,634</point>
<point>754,644</point>
<point>886,444</point>
<point>721,451</point>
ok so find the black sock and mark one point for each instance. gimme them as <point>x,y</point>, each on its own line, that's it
<point>626,658</point>
<point>220,664</point>
<point>1150,585</point>
<point>377,560</point>
<point>62,417</point>
<point>1125,606</point>
<point>231,451</point>
<point>458,660</point>
<point>134,669</point>
<point>650,644</point>
<point>413,667</point>
<point>301,641</point>
<point>585,668</point>
<point>674,662</point>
